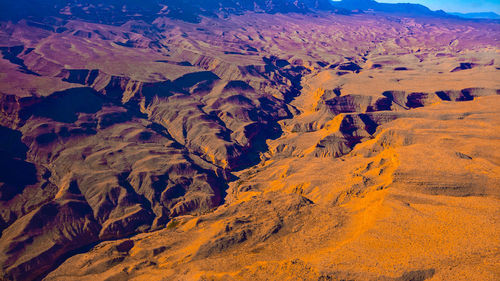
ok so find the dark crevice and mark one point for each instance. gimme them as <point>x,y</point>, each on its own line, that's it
<point>11,54</point>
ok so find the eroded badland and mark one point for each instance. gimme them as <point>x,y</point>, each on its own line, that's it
<point>252,146</point>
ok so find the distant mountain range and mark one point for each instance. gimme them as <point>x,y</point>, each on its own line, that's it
<point>115,11</point>
<point>485,15</point>
<point>367,5</point>
<point>120,11</point>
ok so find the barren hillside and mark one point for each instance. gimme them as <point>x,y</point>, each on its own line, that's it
<point>258,141</point>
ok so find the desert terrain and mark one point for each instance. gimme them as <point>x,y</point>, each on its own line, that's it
<point>278,142</point>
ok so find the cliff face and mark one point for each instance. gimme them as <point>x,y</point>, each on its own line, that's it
<point>249,140</point>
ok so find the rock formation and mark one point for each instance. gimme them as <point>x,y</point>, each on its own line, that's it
<point>247,140</point>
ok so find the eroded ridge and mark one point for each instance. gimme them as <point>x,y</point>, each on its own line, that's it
<point>315,144</point>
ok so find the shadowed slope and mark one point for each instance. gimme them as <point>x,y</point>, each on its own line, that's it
<point>249,140</point>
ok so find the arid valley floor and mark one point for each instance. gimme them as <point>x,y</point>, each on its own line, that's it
<point>297,145</point>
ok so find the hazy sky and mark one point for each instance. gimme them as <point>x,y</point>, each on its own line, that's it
<point>456,5</point>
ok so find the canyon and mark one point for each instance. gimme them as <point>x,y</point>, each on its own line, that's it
<point>248,140</point>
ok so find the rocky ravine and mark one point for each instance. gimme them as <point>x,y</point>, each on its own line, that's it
<point>260,145</point>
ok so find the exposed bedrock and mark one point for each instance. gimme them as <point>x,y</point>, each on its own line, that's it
<point>117,156</point>
<point>93,171</point>
<point>353,129</point>
<point>119,141</point>
<point>226,122</point>
<point>342,121</point>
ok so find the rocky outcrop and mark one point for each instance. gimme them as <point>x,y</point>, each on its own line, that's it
<point>140,125</point>
<point>96,171</point>
<point>11,54</point>
<point>118,156</point>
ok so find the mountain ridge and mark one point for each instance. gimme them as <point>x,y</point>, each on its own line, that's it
<point>118,12</point>
<point>405,8</point>
<point>198,142</point>
<point>148,10</point>
<point>480,15</point>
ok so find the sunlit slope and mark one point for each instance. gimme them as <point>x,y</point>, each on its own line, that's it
<point>310,146</point>
<point>418,199</point>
